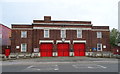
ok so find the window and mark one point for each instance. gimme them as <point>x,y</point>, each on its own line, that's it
<point>23,47</point>
<point>23,34</point>
<point>99,34</point>
<point>46,33</point>
<point>99,47</point>
<point>63,34</point>
<point>79,33</point>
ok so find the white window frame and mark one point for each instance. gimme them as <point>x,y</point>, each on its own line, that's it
<point>63,33</point>
<point>22,35</point>
<point>45,32</point>
<point>99,47</point>
<point>99,34</point>
<point>79,31</point>
<point>24,47</point>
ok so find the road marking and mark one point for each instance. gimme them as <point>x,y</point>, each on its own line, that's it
<point>30,67</point>
<point>56,65</point>
<point>90,67</point>
<point>37,69</point>
<point>106,61</point>
<point>56,69</point>
<point>50,67</point>
<point>102,66</point>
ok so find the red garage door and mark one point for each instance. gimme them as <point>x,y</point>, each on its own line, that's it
<point>63,49</point>
<point>46,49</point>
<point>79,49</point>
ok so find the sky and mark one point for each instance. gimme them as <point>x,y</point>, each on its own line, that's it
<point>99,12</point>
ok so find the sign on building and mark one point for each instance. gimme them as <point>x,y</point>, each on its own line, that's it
<point>36,49</point>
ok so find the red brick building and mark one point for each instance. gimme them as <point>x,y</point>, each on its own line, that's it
<point>5,34</point>
<point>59,38</point>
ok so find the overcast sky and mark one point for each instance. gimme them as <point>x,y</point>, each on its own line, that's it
<point>99,12</point>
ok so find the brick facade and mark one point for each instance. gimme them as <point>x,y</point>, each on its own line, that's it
<point>35,33</point>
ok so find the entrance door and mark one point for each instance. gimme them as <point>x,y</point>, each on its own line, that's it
<point>79,49</point>
<point>46,49</point>
<point>63,49</point>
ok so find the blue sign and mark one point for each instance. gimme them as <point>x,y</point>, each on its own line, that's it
<point>94,49</point>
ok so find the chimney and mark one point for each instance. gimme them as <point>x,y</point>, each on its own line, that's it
<point>47,18</point>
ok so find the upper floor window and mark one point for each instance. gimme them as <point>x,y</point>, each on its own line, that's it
<point>79,33</point>
<point>99,47</point>
<point>46,33</point>
<point>23,34</point>
<point>63,33</point>
<point>23,47</point>
<point>99,34</point>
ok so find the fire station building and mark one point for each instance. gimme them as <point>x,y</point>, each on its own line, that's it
<point>59,38</point>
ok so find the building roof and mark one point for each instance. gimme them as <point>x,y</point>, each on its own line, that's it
<point>4,26</point>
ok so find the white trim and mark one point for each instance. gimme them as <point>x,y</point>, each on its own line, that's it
<point>46,41</point>
<point>100,30</point>
<point>79,41</point>
<point>62,24</point>
<point>60,41</point>
<point>22,28</point>
<point>76,28</point>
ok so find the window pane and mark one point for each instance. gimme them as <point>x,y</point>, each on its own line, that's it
<point>63,35</point>
<point>23,34</point>
<point>46,33</point>
<point>79,34</point>
<point>99,35</point>
<point>23,47</point>
<point>99,46</point>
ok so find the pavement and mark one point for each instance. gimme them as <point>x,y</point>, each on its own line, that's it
<point>61,64</point>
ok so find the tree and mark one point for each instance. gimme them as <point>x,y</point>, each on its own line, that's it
<point>118,38</point>
<point>114,37</point>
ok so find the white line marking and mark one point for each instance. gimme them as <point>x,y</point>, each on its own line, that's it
<point>90,67</point>
<point>56,69</point>
<point>102,66</point>
<point>37,69</point>
<point>56,65</point>
<point>29,66</point>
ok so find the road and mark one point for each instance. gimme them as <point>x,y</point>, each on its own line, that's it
<point>61,64</point>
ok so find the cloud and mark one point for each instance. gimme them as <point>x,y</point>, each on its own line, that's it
<point>100,12</point>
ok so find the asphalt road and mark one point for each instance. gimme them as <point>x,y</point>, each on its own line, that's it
<point>83,64</point>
